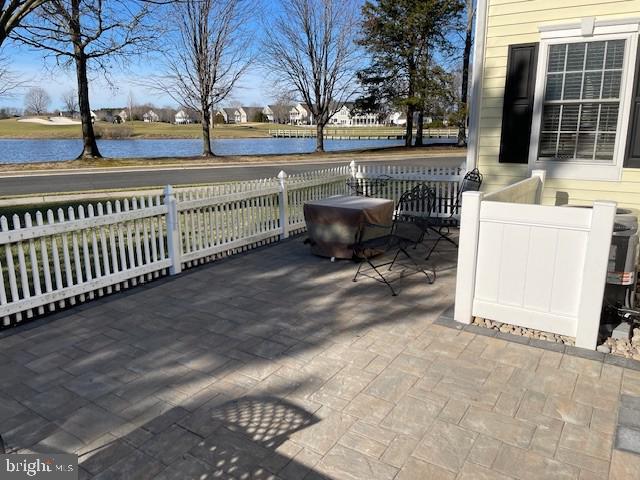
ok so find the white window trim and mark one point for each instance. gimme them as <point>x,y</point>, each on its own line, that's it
<point>627,30</point>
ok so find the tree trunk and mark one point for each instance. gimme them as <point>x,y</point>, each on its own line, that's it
<point>419,129</point>
<point>408,140</point>
<point>89,144</point>
<point>466,57</point>
<point>206,134</point>
<point>319,137</point>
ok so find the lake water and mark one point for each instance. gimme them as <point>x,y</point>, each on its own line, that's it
<point>30,151</point>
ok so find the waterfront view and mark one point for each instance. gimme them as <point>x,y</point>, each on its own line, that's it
<point>50,150</point>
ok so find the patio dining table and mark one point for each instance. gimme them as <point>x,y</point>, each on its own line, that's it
<point>333,223</point>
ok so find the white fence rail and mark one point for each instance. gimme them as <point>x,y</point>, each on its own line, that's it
<point>65,257</point>
<point>535,266</point>
<point>362,132</point>
<point>445,181</point>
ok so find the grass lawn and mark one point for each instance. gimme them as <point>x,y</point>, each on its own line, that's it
<point>11,128</point>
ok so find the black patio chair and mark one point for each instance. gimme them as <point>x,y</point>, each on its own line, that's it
<point>471,182</point>
<point>367,187</point>
<point>410,224</point>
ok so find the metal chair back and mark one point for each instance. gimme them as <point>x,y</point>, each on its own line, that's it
<point>367,187</point>
<point>413,213</point>
<point>471,182</point>
<point>419,202</point>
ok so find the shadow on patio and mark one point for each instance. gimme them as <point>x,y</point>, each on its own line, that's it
<point>260,366</point>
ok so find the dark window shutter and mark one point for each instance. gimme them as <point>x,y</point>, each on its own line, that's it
<point>632,157</point>
<point>519,91</point>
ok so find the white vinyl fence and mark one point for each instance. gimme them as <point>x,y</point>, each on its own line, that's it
<point>535,266</point>
<point>57,259</point>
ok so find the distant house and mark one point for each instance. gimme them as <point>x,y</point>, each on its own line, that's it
<point>182,118</point>
<point>277,113</point>
<point>124,116</point>
<point>398,118</point>
<point>300,114</point>
<point>231,115</point>
<point>342,116</point>
<point>250,114</point>
<point>347,115</point>
<point>268,112</point>
<point>150,117</point>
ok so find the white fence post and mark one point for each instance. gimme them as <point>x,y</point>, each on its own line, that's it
<point>353,168</point>
<point>595,274</point>
<point>174,245</point>
<point>467,256</point>
<point>284,205</point>
<point>541,174</point>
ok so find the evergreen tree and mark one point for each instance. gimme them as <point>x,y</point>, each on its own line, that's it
<point>403,38</point>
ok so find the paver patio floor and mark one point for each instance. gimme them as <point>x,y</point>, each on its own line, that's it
<point>274,365</point>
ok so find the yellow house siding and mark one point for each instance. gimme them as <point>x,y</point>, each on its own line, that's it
<point>517,21</point>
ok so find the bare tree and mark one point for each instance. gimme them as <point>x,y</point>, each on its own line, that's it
<point>70,101</point>
<point>131,103</point>
<point>89,35</point>
<point>13,12</point>
<point>10,81</point>
<point>311,46</point>
<point>37,101</point>
<point>209,54</point>
<point>282,106</point>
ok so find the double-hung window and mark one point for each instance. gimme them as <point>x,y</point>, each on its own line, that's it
<point>581,108</point>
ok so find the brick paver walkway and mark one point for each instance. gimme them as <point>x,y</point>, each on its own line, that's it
<point>273,364</point>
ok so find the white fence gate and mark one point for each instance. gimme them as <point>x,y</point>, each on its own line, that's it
<point>535,266</point>
<point>72,255</point>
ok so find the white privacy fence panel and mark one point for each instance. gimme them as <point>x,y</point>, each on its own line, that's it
<point>535,266</point>
<point>54,260</point>
<point>528,190</point>
<point>530,260</point>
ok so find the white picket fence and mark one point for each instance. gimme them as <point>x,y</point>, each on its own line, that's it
<point>531,265</point>
<point>62,258</point>
<point>445,181</point>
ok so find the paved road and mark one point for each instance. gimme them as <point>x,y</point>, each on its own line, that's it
<point>78,182</point>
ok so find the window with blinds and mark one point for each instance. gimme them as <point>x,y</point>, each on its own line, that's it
<point>582,101</point>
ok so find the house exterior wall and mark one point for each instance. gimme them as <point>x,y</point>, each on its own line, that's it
<point>299,115</point>
<point>341,117</point>
<point>511,22</point>
<point>267,112</point>
<point>345,117</point>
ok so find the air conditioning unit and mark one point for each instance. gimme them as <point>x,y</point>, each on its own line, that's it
<point>622,272</point>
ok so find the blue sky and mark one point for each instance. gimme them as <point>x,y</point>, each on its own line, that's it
<point>253,89</point>
<point>30,63</point>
